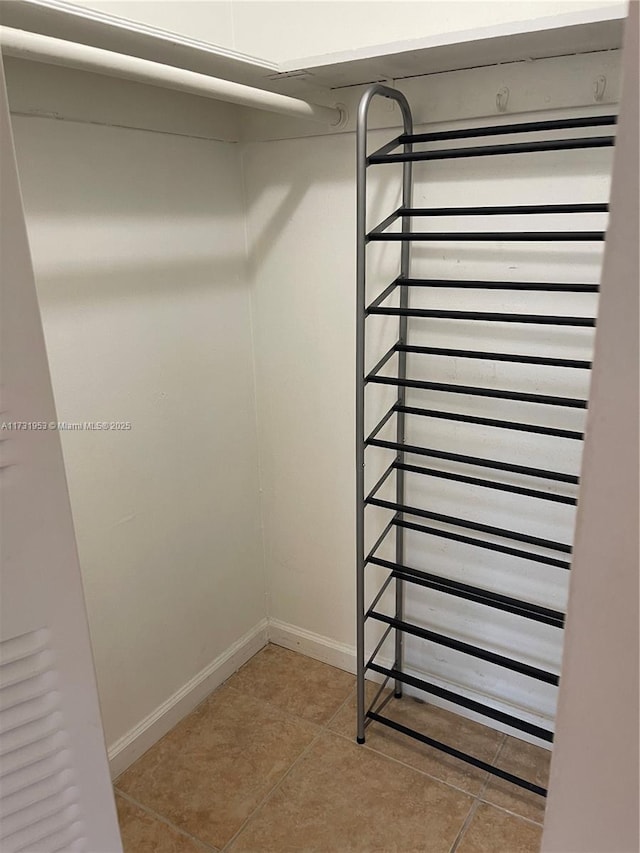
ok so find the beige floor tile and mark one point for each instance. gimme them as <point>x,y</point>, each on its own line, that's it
<point>297,684</point>
<point>212,770</point>
<point>142,833</point>
<point>452,729</point>
<point>494,831</point>
<point>525,760</point>
<point>340,798</point>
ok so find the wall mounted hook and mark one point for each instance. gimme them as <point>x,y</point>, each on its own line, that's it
<point>502,99</point>
<point>599,86</point>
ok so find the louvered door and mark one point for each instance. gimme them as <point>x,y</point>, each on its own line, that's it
<point>55,791</point>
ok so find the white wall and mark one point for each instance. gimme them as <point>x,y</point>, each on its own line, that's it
<point>301,225</point>
<point>138,249</point>
<point>300,221</point>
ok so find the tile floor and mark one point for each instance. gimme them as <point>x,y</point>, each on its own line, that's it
<point>268,764</point>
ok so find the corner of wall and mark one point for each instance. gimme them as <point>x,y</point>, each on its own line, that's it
<point>249,273</point>
<point>141,737</point>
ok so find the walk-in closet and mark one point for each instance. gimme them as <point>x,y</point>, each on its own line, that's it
<point>319,429</point>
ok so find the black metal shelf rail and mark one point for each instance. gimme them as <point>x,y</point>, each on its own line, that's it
<point>447,465</point>
<point>380,232</point>
<point>386,154</point>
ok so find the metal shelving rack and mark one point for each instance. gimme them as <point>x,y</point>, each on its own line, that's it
<point>402,150</point>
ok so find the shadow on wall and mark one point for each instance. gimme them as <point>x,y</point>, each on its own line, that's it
<point>117,213</point>
<point>321,170</point>
<point>120,279</point>
<point>120,171</point>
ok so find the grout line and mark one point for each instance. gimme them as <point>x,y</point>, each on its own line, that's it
<point>164,820</point>
<point>510,812</point>
<point>294,717</point>
<point>280,710</point>
<point>186,717</point>
<point>286,714</point>
<point>494,761</point>
<point>271,792</point>
<point>404,764</point>
<point>485,782</point>
<point>342,705</point>
<point>482,795</point>
<point>465,826</point>
<point>322,729</point>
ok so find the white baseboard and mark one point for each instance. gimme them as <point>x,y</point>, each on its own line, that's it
<point>312,645</point>
<point>142,736</point>
<point>341,655</point>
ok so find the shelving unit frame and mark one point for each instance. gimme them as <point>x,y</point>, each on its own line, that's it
<point>402,150</point>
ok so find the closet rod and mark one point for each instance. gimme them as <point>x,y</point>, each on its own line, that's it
<point>53,51</point>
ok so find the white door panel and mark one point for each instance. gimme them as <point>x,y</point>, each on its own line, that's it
<point>55,791</point>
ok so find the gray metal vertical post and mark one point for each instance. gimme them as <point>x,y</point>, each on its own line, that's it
<point>405,260</point>
<point>361,237</point>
